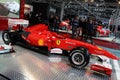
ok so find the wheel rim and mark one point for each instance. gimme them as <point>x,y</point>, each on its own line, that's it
<point>78,58</point>
<point>6,37</point>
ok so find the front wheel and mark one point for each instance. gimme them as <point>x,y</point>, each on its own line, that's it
<point>79,58</point>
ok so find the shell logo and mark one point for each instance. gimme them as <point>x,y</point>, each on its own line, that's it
<point>40,42</point>
<point>100,48</point>
<point>58,42</point>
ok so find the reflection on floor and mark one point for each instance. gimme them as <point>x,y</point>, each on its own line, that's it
<point>29,65</point>
<point>25,64</point>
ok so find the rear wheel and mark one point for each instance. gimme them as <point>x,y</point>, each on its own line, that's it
<point>6,37</point>
<point>79,57</point>
<point>10,37</point>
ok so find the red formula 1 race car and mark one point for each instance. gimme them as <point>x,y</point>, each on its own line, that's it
<point>100,31</point>
<point>40,36</point>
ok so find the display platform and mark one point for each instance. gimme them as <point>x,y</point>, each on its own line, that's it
<point>26,64</point>
<point>110,42</point>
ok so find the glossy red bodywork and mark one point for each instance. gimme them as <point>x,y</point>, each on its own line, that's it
<point>39,35</point>
<point>103,31</point>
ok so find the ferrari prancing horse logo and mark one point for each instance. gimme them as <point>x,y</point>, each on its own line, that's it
<point>58,42</point>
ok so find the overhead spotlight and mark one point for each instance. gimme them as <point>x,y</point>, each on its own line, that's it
<point>91,0</point>
<point>118,2</point>
<point>97,5</point>
<point>86,0</point>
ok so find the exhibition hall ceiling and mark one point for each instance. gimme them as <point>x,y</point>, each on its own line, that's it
<point>99,8</point>
<point>110,1</point>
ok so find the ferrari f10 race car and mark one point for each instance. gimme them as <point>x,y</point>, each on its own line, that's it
<point>40,36</point>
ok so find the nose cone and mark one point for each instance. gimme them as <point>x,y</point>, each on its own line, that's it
<point>100,51</point>
<point>110,55</point>
<point>107,53</point>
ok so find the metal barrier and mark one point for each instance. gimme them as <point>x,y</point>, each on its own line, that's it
<point>117,34</point>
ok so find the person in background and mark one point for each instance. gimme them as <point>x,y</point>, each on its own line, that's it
<point>90,30</point>
<point>51,20</point>
<point>39,17</point>
<point>75,24</point>
<point>79,29</point>
<point>56,23</point>
<point>32,19</point>
<point>26,16</point>
<point>84,25</point>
